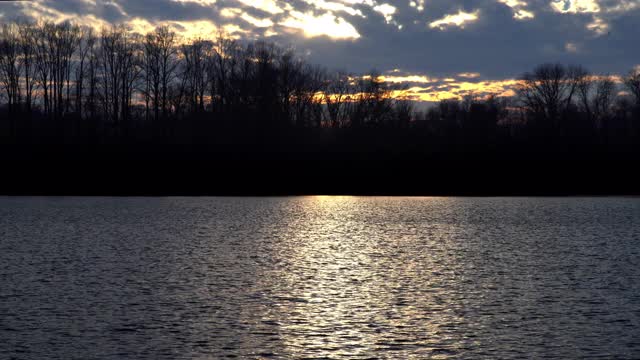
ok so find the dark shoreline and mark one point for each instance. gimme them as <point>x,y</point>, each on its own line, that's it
<point>117,170</point>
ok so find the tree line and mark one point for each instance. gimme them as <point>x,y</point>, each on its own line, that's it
<point>65,81</point>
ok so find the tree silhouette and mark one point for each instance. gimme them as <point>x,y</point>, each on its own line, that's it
<point>115,85</point>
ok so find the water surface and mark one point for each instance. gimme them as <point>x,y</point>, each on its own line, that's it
<point>319,277</point>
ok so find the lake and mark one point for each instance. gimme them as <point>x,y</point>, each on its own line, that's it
<point>319,277</point>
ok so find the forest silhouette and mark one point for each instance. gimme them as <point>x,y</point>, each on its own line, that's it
<point>113,111</point>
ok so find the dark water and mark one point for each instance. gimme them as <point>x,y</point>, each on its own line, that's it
<point>319,277</point>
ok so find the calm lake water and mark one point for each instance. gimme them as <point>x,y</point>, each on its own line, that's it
<point>319,277</point>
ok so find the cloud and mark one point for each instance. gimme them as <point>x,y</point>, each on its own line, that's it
<point>323,25</point>
<point>471,42</point>
<point>334,7</point>
<point>603,12</point>
<point>571,47</point>
<point>386,10</point>
<point>519,9</point>
<point>261,23</point>
<point>598,26</point>
<point>457,20</point>
<point>575,6</point>
<point>469,75</point>
<point>456,89</point>
<point>268,6</point>
<point>417,4</point>
<point>414,79</point>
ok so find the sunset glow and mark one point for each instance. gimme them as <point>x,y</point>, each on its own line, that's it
<point>356,35</point>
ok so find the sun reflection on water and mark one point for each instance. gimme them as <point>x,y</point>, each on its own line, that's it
<point>320,278</point>
<point>351,285</point>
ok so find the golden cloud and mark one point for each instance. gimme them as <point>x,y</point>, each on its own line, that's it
<point>323,25</point>
<point>459,20</point>
<point>457,90</point>
<point>518,7</point>
<point>575,6</point>
<point>408,79</point>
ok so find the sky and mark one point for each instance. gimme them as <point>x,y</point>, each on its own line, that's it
<point>435,48</point>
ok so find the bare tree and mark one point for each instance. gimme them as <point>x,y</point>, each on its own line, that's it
<point>548,91</point>
<point>63,70</point>
<point>118,72</point>
<point>159,63</point>
<point>290,73</point>
<point>222,63</point>
<point>10,65</point>
<point>337,90</point>
<point>27,48</point>
<point>596,97</point>
<point>309,84</point>
<point>55,46</point>
<point>166,40</point>
<point>61,40</point>
<point>43,63</point>
<point>86,45</point>
<point>194,73</point>
<point>542,91</point>
<point>632,83</point>
<point>575,75</point>
<point>265,80</point>
<point>403,111</point>
<point>70,39</point>
<point>373,104</point>
<point>93,66</point>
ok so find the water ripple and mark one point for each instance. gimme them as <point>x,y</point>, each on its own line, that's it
<point>319,278</point>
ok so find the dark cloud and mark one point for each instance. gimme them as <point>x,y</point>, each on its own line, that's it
<point>496,45</point>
